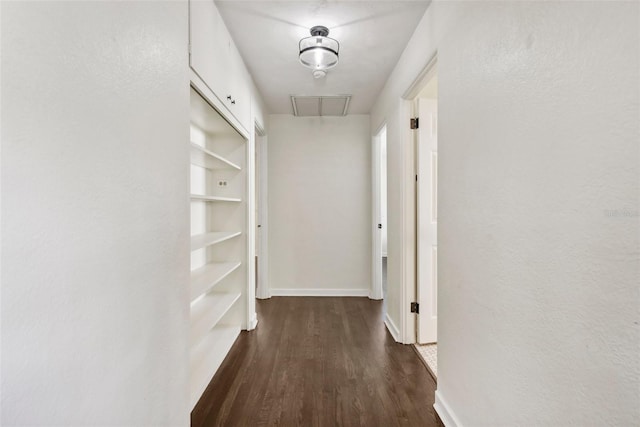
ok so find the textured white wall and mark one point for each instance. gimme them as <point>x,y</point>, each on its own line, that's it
<point>539,151</point>
<point>95,215</point>
<point>320,203</point>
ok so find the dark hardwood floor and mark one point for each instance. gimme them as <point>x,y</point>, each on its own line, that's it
<point>318,362</point>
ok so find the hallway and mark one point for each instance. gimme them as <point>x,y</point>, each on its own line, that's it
<point>318,362</point>
<point>151,150</point>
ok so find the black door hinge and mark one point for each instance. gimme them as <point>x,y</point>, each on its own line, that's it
<point>415,307</point>
<point>415,123</point>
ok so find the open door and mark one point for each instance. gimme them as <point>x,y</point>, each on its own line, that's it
<point>427,220</point>
<point>379,218</point>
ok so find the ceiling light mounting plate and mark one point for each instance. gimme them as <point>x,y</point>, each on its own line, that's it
<point>319,30</point>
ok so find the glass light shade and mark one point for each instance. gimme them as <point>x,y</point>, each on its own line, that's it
<point>319,52</point>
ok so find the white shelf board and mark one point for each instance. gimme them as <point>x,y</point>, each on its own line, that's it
<point>203,240</point>
<point>205,278</point>
<point>214,198</point>
<point>206,357</point>
<point>208,159</point>
<point>207,311</point>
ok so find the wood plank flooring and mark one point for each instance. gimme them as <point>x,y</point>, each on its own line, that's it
<point>318,362</point>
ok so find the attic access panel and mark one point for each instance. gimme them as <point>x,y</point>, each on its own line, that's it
<point>310,106</point>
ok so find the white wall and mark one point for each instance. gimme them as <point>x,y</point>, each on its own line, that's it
<point>538,209</point>
<point>319,205</point>
<point>95,214</point>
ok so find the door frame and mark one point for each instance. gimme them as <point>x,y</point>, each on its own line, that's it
<point>408,327</point>
<point>376,291</point>
<point>263,291</point>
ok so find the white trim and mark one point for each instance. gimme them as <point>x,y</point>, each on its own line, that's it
<point>259,127</point>
<point>253,322</point>
<point>251,227</point>
<point>421,79</point>
<point>408,259</point>
<point>320,292</point>
<point>391,327</point>
<point>381,126</point>
<point>373,296</point>
<point>445,413</point>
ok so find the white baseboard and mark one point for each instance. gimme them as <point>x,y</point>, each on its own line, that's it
<point>320,292</point>
<point>393,329</point>
<point>445,413</point>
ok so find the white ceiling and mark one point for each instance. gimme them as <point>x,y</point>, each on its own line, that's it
<point>372,36</point>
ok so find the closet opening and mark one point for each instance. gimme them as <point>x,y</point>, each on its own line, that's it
<point>219,274</point>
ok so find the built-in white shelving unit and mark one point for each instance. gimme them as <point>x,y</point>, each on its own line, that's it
<point>208,159</point>
<point>207,311</point>
<point>203,240</point>
<point>205,278</point>
<point>206,198</point>
<point>218,284</point>
<point>210,352</point>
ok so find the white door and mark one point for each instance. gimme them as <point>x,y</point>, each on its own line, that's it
<point>378,222</point>
<point>427,198</point>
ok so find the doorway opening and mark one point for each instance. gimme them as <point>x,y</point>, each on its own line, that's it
<point>425,107</point>
<point>379,262</point>
<point>260,213</point>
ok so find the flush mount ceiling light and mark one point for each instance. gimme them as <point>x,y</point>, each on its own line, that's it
<point>319,52</point>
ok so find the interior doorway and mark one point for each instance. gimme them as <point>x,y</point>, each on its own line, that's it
<point>427,212</point>
<point>379,175</point>
<point>425,107</point>
<point>260,212</point>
